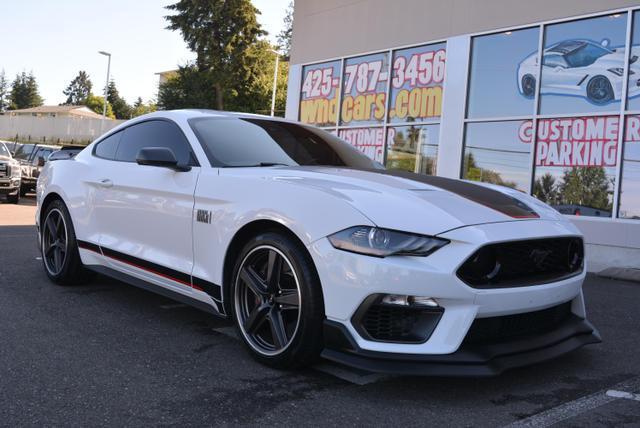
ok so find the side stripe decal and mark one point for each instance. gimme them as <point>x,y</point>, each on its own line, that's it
<point>210,288</point>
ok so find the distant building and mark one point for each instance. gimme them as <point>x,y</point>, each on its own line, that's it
<point>57,111</point>
<point>166,75</point>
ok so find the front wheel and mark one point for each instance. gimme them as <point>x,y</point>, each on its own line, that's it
<point>277,302</point>
<point>59,248</point>
<point>14,199</point>
<point>599,90</point>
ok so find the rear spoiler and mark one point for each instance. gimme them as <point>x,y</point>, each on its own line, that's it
<point>66,152</point>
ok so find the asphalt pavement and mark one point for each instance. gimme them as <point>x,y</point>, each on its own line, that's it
<point>108,354</point>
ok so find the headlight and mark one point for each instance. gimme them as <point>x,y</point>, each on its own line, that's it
<point>618,71</point>
<point>15,170</point>
<point>378,242</point>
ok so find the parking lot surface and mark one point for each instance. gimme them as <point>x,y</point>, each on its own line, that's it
<point>110,354</point>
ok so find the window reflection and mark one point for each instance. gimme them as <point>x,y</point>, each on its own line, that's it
<point>498,153</point>
<point>413,148</point>
<point>503,74</point>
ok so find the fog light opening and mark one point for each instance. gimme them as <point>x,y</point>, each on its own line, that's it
<point>403,300</point>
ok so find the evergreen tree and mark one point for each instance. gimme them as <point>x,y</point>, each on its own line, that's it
<point>121,109</point>
<point>78,90</point>
<point>546,190</point>
<point>140,108</point>
<point>221,33</point>
<point>190,88</point>
<point>4,92</point>
<point>24,92</point>
<point>588,187</point>
<point>284,37</point>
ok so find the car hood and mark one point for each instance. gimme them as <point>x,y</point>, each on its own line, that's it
<point>413,202</point>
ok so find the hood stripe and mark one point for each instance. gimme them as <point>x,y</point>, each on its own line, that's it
<point>490,198</point>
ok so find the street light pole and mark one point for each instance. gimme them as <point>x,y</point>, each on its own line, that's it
<point>275,83</point>
<point>106,85</point>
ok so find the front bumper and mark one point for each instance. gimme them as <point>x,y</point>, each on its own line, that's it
<point>9,186</point>
<point>469,360</point>
<point>350,279</point>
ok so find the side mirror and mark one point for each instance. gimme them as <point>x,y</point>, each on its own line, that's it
<point>160,156</point>
<point>41,161</point>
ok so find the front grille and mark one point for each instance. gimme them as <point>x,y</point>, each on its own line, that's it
<point>5,170</point>
<point>519,326</point>
<point>381,322</point>
<point>522,263</point>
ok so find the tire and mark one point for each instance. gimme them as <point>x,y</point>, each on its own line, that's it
<point>528,84</point>
<point>14,199</point>
<point>599,90</point>
<point>23,190</point>
<point>59,248</point>
<point>279,320</point>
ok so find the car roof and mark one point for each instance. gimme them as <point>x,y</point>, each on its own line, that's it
<point>568,46</point>
<point>190,114</point>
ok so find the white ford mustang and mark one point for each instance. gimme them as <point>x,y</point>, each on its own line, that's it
<point>313,249</point>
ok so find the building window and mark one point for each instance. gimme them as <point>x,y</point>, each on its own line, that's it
<point>413,148</point>
<point>319,94</point>
<point>369,141</point>
<point>633,86</point>
<point>630,185</point>
<point>503,76</point>
<point>417,77</point>
<point>576,161</point>
<point>502,85</point>
<point>499,153</point>
<point>364,90</point>
<point>582,67</point>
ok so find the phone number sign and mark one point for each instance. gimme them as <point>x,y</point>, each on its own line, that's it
<point>416,83</point>
<point>319,95</point>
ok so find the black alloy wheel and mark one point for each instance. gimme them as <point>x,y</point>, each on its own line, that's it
<point>59,248</point>
<point>55,242</point>
<point>277,302</point>
<point>267,300</point>
<point>599,90</point>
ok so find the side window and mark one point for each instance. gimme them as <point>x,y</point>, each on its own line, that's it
<point>155,133</point>
<point>554,61</point>
<point>107,148</point>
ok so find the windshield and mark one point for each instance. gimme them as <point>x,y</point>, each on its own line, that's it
<point>586,55</point>
<point>238,142</point>
<point>4,151</point>
<point>24,151</point>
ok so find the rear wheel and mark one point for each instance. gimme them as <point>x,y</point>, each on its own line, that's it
<point>277,302</point>
<point>528,85</point>
<point>59,248</point>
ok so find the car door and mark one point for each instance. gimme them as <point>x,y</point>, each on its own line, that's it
<point>145,212</point>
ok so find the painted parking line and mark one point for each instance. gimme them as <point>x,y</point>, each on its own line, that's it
<point>348,374</point>
<point>581,405</point>
<point>623,394</point>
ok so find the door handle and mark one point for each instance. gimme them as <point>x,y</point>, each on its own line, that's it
<point>105,182</point>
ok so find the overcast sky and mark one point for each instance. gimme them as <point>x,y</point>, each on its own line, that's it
<point>56,39</point>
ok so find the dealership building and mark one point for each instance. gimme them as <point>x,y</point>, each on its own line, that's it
<point>542,96</point>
